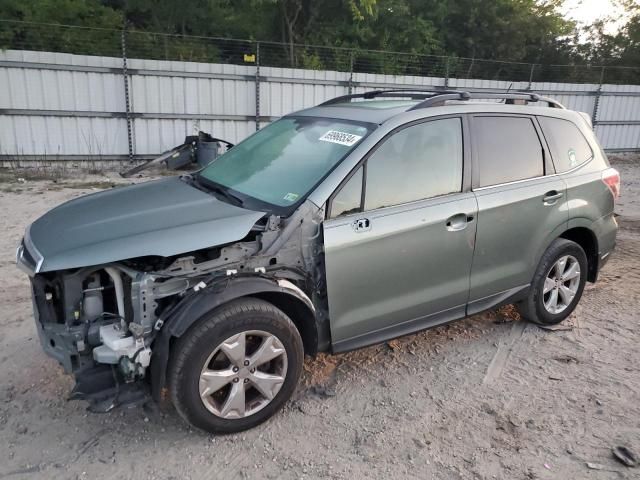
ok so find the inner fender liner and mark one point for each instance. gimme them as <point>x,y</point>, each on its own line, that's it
<point>191,308</point>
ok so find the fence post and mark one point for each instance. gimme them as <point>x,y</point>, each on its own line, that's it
<point>351,61</point>
<point>127,100</point>
<point>257,86</point>
<point>446,74</point>
<point>533,67</point>
<point>596,103</point>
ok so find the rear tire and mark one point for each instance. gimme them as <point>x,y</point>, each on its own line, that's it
<point>236,366</point>
<point>557,284</point>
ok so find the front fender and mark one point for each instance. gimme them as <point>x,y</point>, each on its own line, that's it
<point>226,290</point>
<point>196,304</point>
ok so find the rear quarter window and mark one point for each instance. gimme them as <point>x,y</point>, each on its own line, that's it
<point>569,148</point>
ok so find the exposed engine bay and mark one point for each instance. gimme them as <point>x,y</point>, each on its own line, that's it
<point>101,322</point>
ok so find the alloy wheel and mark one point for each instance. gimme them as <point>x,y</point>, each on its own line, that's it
<point>561,284</point>
<point>243,374</point>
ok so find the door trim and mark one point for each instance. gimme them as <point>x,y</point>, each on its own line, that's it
<point>400,208</point>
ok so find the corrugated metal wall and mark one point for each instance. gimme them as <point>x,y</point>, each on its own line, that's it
<point>60,106</point>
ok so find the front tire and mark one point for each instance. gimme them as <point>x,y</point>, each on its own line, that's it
<point>236,366</point>
<point>557,284</point>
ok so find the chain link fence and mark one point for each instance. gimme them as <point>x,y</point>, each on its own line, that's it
<point>157,46</point>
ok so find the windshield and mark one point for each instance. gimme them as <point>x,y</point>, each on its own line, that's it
<point>281,163</point>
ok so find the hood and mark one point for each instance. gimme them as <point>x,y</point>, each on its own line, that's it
<point>164,217</point>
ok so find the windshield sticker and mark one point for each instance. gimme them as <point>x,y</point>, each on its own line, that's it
<point>291,197</point>
<point>341,138</point>
<point>572,158</point>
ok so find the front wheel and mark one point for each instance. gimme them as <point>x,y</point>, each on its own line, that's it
<point>236,367</point>
<point>557,284</point>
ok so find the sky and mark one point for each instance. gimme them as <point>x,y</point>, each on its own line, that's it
<point>585,12</point>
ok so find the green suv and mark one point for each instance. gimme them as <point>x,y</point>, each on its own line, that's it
<point>368,217</point>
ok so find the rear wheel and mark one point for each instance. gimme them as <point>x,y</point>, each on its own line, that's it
<point>236,367</point>
<point>557,284</point>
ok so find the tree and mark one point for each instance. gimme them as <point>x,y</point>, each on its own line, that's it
<point>66,12</point>
<point>470,31</point>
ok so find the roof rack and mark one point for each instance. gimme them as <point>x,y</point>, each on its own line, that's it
<point>436,98</point>
<point>412,93</point>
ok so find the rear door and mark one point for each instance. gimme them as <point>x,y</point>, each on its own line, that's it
<point>521,206</point>
<point>399,237</point>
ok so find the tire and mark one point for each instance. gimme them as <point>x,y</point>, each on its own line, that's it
<point>211,353</point>
<point>538,306</point>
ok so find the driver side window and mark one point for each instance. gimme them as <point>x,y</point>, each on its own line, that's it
<point>418,162</point>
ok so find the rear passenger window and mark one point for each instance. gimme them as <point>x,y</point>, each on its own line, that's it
<point>417,162</point>
<point>568,146</point>
<point>508,149</point>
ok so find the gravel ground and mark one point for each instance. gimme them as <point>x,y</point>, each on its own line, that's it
<point>487,397</point>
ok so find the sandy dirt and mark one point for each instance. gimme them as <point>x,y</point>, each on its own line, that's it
<point>490,397</point>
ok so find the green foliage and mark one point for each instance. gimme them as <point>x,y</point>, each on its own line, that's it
<point>353,33</point>
<point>78,12</point>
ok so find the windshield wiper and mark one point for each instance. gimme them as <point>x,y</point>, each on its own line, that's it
<point>218,190</point>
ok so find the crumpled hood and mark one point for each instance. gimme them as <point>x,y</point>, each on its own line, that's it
<point>164,217</point>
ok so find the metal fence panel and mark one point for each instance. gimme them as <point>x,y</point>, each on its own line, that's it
<point>619,137</point>
<point>58,138</point>
<point>620,107</point>
<point>153,136</point>
<point>59,105</point>
<point>284,90</point>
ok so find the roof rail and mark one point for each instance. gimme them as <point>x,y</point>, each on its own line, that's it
<point>435,97</point>
<point>438,100</point>
<point>412,93</point>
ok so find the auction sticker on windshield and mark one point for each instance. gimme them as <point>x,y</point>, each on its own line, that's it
<point>341,138</point>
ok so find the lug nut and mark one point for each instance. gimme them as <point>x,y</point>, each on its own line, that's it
<point>236,380</point>
<point>253,370</point>
<point>246,380</point>
<point>246,363</point>
<point>235,369</point>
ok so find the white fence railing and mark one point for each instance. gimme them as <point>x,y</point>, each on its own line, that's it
<point>60,106</point>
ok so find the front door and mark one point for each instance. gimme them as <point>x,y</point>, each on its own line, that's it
<point>398,255</point>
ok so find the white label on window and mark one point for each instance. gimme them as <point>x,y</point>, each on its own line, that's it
<point>341,138</point>
<point>573,161</point>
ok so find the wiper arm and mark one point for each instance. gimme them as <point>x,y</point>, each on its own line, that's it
<point>220,191</point>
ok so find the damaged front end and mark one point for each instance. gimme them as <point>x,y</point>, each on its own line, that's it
<point>102,322</point>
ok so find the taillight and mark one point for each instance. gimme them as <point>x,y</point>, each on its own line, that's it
<point>611,178</point>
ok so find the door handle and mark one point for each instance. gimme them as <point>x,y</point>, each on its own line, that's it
<point>552,197</point>
<point>458,222</point>
<point>361,225</point>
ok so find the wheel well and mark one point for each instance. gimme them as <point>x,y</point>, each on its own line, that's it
<point>299,313</point>
<point>587,240</point>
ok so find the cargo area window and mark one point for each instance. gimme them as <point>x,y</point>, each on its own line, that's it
<point>507,149</point>
<point>568,146</point>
